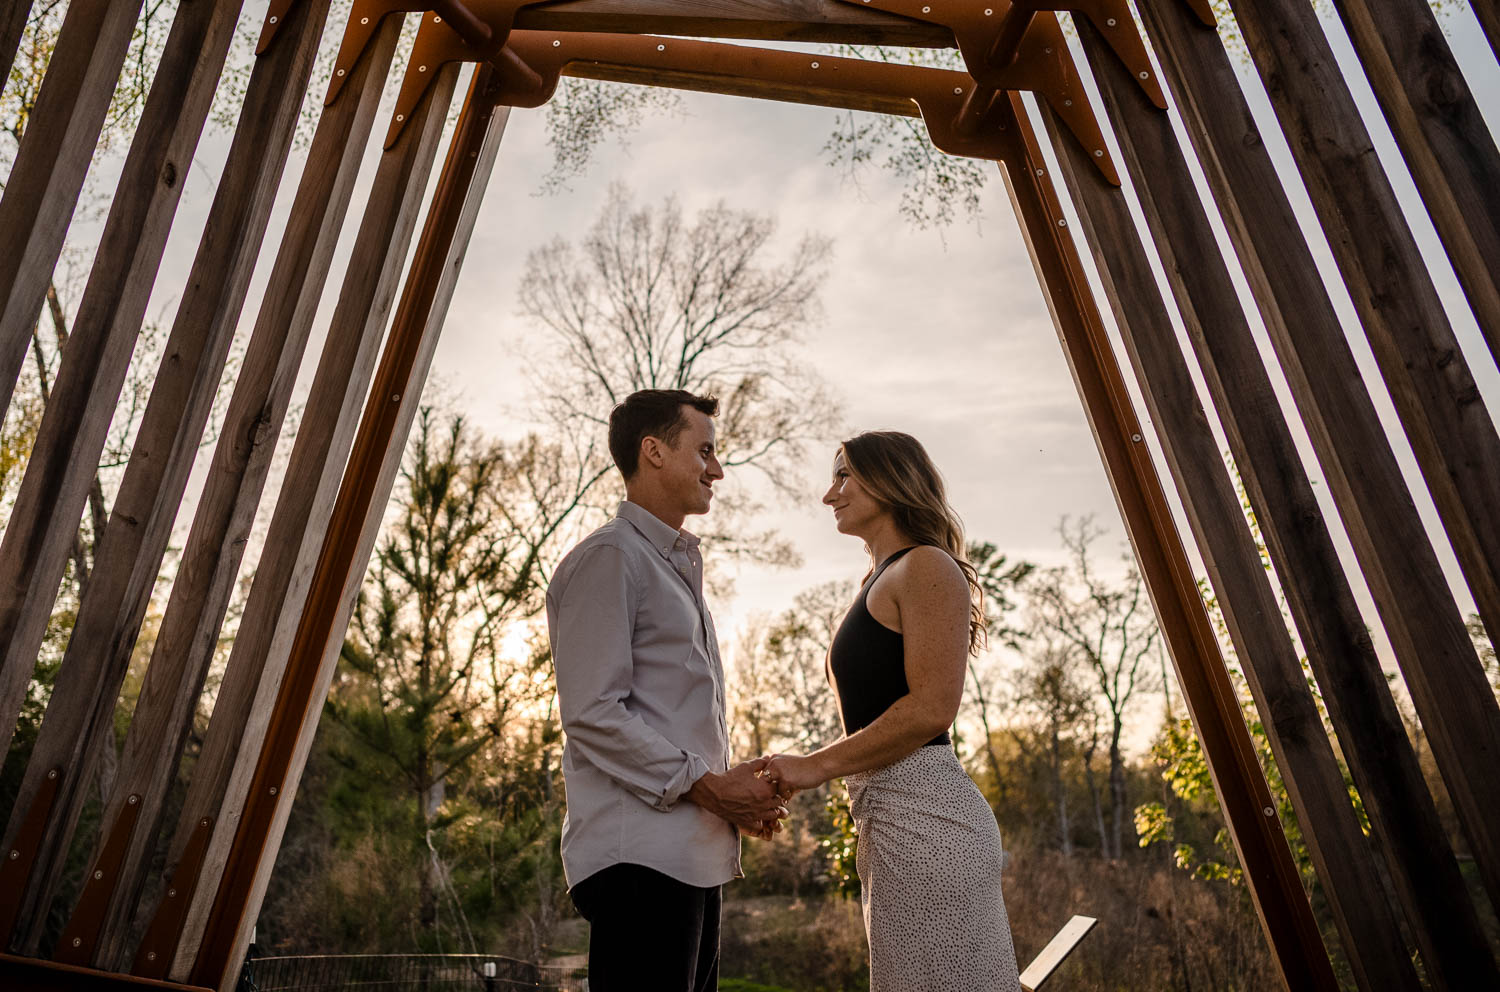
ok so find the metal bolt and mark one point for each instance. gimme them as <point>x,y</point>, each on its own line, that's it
<point>98,874</point>
<point>1061,222</point>
<point>1041,172</point>
<point>1136,438</point>
<point>171,893</point>
<point>1111,22</point>
<point>926,10</point>
<point>1098,152</point>
<point>133,800</point>
<point>395,397</point>
<point>14,855</point>
<point>52,773</point>
<point>273,790</point>
<point>957,90</point>
<point>364,20</point>
<point>556,43</point>
<point>1047,50</point>
<point>421,68</point>
<point>1145,75</point>
<point>1269,811</point>
<point>815,65</point>
<point>661,48</point>
<point>988,12</point>
<point>1067,103</point>
<point>78,941</point>
<point>400,118</point>
<point>203,822</point>
<point>436,19</point>
<point>273,21</point>
<point>150,955</point>
<point>341,72</point>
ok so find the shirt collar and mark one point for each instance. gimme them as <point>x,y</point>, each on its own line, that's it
<point>661,534</point>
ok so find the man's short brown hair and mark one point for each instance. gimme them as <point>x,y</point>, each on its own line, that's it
<point>651,413</point>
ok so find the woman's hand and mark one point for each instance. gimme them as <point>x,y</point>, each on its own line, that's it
<point>791,773</point>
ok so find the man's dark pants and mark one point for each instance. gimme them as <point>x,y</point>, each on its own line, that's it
<point>648,931</point>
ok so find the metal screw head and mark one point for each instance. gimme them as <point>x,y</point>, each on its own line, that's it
<point>400,118</point>
<point>1111,22</point>
<point>661,48</point>
<point>421,68</point>
<point>436,19</point>
<point>1145,75</point>
<point>364,20</point>
<point>1061,222</point>
<point>988,12</point>
<point>815,65</point>
<point>1041,172</point>
<point>273,790</point>
<point>98,874</point>
<point>1098,152</point>
<point>926,10</point>
<point>1269,811</point>
<point>133,800</point>
<point>171,893</point>
<point>957,90</point>
<point>14,855</point>
<point>341,72</point>
<point>273,21</point>
<point>52,773</point>
<point>1067,103</point>
<point>556,43</point>
<point>78,941</point>
<point>395,397</point>
<point>150,955</point>
<point>1047,51</point>
<point>1136,438</point>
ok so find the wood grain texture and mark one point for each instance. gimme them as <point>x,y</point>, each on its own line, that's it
<point>1270,874</point>
<point>1418,611</point>
<point>353,528</point>
<point>1443,138</point>
<point>47,175</point>
<point>13,15</point>
<point>827,21</point>
<point>40,532</point>
<point>189,632</point>
<point>1373,739</point>
<point>257,661</point>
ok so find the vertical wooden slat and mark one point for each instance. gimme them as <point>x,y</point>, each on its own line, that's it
<point>47,175</point>
<point>188,636</point>
<point>1373,740</point>
<point>80,714</point>
<point>262,645</point>
<point>1488,13</point>
<point>1341,854</point>
<point>1442,136</point>
<point>1416,607</point>
<point>39,533</point>
<point>13,15</point>
<point>353,528</point>
<point>1249,809</point>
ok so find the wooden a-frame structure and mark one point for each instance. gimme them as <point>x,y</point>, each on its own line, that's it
<point>386,325</point>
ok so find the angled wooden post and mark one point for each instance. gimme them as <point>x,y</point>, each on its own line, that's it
<point>221,776</point>
<point>64,460</point>
<point>1373,739</point>
<point>1249,808</point>
<point>1417,609</point>
<point>13,14</point>
<point>47,175</point>
<point>80,714</point>
<point>353,527</point>
<point>188,636</point>
<point>1443,138</point>
<point>1441,409</point>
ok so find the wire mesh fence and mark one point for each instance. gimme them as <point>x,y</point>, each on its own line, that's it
<point>405,973</point>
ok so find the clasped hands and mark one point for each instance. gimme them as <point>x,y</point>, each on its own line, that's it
<point>753,794</point>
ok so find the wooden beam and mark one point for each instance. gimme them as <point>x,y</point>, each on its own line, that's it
<point>19,974</point>
<point>1443,138</point>
<point>47,174</point>
<point>1489,22</point>
<point>353,528</point>
<point>13,14</point>
<point>221,776</point>
<point>39,534</point>
<point>188,637</point>
<point>1372,736</point>
<point>1418,611</point>
<point>1249,808</point>
<point>827,21</point>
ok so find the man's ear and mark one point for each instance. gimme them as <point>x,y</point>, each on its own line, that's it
<point>651,451</point>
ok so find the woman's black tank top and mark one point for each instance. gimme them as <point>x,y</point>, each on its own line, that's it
<point>868,661</point>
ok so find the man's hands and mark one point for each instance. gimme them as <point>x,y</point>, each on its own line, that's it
<point>743,796</point>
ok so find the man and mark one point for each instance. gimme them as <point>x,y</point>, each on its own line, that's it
<point>654,810</point>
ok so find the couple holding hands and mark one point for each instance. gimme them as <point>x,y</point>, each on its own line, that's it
<point>655,803</point>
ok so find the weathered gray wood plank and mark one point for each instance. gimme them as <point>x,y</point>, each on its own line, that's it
<point>189,630</point>
<point>1443,138</point>
<point>47,175</point>
<point>354,526</point>
<point>257,660</point>
<point>54,491</point>
<point>1417,609</point>
<point>1373,739</point>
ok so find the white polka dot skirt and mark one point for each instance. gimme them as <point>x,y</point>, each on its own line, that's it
<point>929,863</point>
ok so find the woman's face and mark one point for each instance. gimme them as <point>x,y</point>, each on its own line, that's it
<point>854,509</point>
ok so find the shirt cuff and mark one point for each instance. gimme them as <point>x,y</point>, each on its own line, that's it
<point>692,770</point>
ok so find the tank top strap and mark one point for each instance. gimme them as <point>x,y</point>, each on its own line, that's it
<point>880,569</point>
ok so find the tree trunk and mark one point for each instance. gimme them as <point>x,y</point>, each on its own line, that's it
<point>1116,793</point>
<point>1088,776</point>
<point>1060,796</point>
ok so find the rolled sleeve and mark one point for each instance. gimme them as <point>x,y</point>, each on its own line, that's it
<point>592,623</point>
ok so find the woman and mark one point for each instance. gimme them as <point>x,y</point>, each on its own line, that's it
<point>929,849</point>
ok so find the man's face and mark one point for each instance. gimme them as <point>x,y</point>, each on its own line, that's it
<point>691,466</point>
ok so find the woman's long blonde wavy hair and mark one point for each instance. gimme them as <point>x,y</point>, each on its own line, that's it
<point>897,472</point>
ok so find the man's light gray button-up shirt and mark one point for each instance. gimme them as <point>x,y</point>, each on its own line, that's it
<point>641,690</point>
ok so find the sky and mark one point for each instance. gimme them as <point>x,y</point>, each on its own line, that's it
<point>940,333</point>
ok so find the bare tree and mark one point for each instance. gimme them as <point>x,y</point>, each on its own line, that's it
<point>1111,628</point>
<point>1053,706</point>
<point>1000,580</point>
<point>649,300</point>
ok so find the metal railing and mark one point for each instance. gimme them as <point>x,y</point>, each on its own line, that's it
<point>405,973</point>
